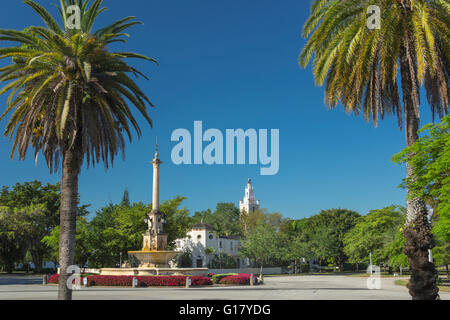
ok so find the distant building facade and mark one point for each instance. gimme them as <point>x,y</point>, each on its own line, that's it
<point>201,237</point>
<point>249,203</point>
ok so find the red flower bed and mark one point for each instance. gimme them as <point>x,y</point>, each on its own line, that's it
<point>147,281</point>
<point>201,281</point>
<point>172,281</point>
<point>113,281</point>
<point>54,279</point>
<point>242,278</point>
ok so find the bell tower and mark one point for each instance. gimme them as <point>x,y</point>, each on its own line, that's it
<point>249,203</point>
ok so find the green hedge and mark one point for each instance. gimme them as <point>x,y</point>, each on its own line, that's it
<point>217,277</point>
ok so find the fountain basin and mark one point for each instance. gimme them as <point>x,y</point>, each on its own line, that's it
<point>154,259</point>
<point>154,272</point>
<point>154,263</point>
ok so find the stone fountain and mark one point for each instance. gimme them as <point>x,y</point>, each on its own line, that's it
<point>154,257</point>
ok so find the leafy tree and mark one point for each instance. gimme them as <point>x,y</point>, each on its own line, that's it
<point>251,220</point>
<point>261,245</point>
<point>374,232</point>
<point>178,220</point>
<point>40,223</point>
<point>209,252</point>
<point>52,243</point>
<point>361,69</point>
<point>430,158</point>
<point>325,246</point>
<point>13,236</point>
<point>82,249</point>
<point>394,252</point>
<point>101,255</point>
<point>320,236</point>
<point>125,199</point>
<point>36,224</point>
<point>33,193</point>
<point>185,259</point>
<point>70,96</point>
<point>441,254</point>
<point>227,215</point>
<point>203,217</point>
<point>118,229</point>
<point>223,260</point>
<point>114,230</point>
<point>295,249</point>
<point>330,227</point>
<point>298,238</point>
<point>224,220</point>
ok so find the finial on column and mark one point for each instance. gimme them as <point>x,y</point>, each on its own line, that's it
<point>156,146</point>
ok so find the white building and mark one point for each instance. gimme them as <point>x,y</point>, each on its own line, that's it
<point>200,238</point>
<point>249,204</point>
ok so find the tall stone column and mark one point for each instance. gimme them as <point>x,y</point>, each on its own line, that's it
<point>156,163</point>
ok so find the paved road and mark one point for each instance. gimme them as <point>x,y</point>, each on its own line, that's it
<point>308,287</point>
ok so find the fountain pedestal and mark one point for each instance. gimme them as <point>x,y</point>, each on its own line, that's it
<point>154,257</point>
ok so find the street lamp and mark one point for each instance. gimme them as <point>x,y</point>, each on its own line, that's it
<point>120,260</point>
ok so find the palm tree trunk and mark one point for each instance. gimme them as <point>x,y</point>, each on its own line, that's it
<point>422,285</point>
<point>68,214</point>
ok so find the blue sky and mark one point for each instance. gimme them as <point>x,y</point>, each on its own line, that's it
<point>233,64</point>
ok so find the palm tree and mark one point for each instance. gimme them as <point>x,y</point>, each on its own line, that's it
<point>209,252</point>
<point>361,69</point>
<point>218,231</point>
<point>70,101</point>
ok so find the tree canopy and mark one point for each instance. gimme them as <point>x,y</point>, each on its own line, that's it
<point>374,232</point>
<point>430,159</point>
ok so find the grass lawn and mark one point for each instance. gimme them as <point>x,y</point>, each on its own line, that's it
<point>445,287</point>
<point>298,274</point>
<point>383,275</point>
<point>21,273</point>
<point>347,273</point>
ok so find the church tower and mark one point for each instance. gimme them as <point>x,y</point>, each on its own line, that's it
<point>249,204</point>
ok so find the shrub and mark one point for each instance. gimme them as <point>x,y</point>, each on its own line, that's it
<point>145,281</point>
<point>211,274</point>
<point>201,281</point>
<point>185,259</point>
<point>172,281</point>
<point>114,281</point>
<point>217,277</point>
<point>223,261</point>
<point>242,278</point>
<point>54,279</point>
